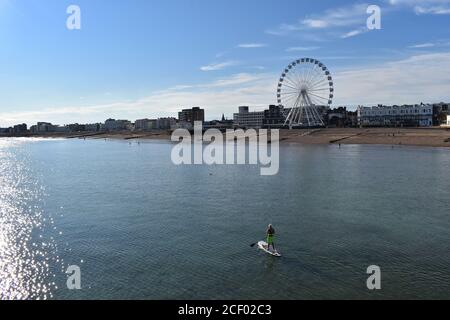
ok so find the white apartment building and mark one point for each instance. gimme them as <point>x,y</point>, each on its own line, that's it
<point>396,116</point>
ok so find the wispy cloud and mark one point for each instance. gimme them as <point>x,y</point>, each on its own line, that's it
<point>419,78</point>
<point>422,45</point>
<point>294,49</point>
<point>222,95</point>
<point>252,45</point>
<point>330,22</point>
<point>221,54</point>
<point>428,45</point>
<point>420,7</point>
<point>218,66</point>
<point>338,17</point>
<point>354,33</point>
<point>432,10</point>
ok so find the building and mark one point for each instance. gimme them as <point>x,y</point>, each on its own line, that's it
<point>117,125</point>
<point>165,123</point>
<point>145,124</point>
<point>448,120</point>
<point>341,118</point>
<point>396,116</point>
<point>440,113</point>
<point>76,127</point>
<point>221,125</point>
<point>20,128</point>
<point>43,127</point>
<point>247,119</point>
<point>60,129</point>
<point>182,125</point>
<point>92,127</point>
<point>192,115</point>
<point>6,130</point>
<point>273,117</point>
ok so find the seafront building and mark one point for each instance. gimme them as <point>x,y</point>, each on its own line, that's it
<point>182,125</point>
<point>273,117</point>
<point>117,125</point>
<point>246,119</point>
<point>191,115</point>
<point>20,128</point>
<point>341,118</point>
<point>92,127</point>
<point>145,124</point>
<point>396,116</point>
<point>165,123</point>
<point>440,113</point>
<point>42,127</point>
<point>222,125</point>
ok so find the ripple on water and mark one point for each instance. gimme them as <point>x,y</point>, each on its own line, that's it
<point>27,251</point>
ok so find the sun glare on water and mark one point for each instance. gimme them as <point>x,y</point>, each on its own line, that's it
<point>26,253</point>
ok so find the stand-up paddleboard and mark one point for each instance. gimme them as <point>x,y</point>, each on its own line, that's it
<point>264,247</point>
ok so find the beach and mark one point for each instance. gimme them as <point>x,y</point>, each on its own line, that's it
<point>426,137</point>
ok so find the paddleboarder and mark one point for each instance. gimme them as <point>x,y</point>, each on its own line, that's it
<point>270,235</point>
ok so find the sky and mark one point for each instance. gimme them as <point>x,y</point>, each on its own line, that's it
<point>135,59</point>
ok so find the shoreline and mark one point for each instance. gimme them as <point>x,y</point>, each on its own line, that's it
<point>425,137</point>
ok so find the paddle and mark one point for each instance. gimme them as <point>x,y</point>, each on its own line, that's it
<point>252,245</point>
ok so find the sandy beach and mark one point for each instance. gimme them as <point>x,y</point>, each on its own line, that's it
<point>429,137</point>
<point>386,136</point>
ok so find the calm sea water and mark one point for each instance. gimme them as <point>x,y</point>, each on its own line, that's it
<point>142,228</point>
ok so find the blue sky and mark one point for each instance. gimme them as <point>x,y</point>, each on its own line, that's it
<point>139,58</point>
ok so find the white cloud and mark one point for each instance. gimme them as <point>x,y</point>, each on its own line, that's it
<point>422,45</point>
<point>252,45</point>
<point>218,66</point>
<point>437,7</point>
<point>435,44</point>
<point>220,96</point>
<point>432,10</point>
<point>221,54</point>
<point>419,78</point>
<point>333,18</point>
<point>315,23</point>
<point>354,33</point>
<point>294,49</point>
<point>339,17</point>
<point>258,67</point>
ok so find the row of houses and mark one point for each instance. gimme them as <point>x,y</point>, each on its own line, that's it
<point>396,116</point>
<point>17,129</point>
<point>421,115</point>
<point>110,125</point>
<point>186,119</point>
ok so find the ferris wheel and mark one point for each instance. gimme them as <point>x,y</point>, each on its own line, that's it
<point>305,89</point>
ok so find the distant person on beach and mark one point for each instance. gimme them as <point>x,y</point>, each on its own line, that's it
<point>270,234</point>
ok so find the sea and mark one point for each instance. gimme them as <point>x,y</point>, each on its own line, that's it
<point>136,226</point>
